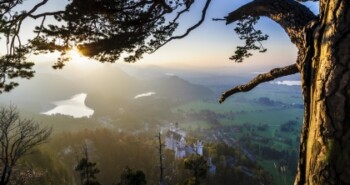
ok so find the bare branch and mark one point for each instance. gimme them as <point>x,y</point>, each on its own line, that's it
<point>37,6</point>
<point>204,12</point>
<point>17,138</point>
<point>45,14</point>
<point>190,29</point>
<point>273,74</point>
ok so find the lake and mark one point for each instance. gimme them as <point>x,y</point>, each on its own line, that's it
<point>75,106</point>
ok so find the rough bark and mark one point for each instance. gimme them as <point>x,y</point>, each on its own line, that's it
<point>323,61</point>
<point>325,142</point>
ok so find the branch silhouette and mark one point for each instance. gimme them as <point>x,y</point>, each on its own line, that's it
<point>261,78</point>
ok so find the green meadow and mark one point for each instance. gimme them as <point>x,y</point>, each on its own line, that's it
<point>249,115</point>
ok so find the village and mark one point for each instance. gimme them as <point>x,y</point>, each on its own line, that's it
<point>175,140</point>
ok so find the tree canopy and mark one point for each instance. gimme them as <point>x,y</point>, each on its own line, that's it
<point>107,30</point>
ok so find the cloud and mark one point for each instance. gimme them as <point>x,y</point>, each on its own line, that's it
<point>288,82</point>
<point>170,74</point>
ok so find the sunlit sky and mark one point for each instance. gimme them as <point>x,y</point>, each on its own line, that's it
<point>207,48</point>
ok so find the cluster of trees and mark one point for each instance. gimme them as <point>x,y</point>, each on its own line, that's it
<point>267,101</point>
<point>207,115</point>
<point>289,126</point>
<point>262,127</point>
<point>199,167</point>
<point>230,162</point>
<point>107,162</point>
<point>87,171</point>
<point>52,163</point>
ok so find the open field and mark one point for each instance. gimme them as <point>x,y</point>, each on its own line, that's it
<point>258,125</point>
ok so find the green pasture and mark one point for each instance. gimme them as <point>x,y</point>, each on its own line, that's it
<point>272,117</point>
<point>255,115</point>
<point>246,112</point>
<point>219,108</point>
<point>278,177</point>
<point>283,94</point>
<point>193,125</point>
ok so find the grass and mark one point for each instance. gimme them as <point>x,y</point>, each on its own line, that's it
<point>246,111</point>
<point>193,125</point>
<point>278,178</point>
<point>219,108</point>
<point>273,117</point>
<point>282,94</point>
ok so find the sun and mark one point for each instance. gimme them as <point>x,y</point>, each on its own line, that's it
<point>79,60</point>
<point>75,55</point>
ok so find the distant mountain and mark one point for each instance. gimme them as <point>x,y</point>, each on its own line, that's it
<point>111,90</point>
<point>177,88</point>
<point>38,92</point>
<point>203,78</point>
<point>146,72</point>
<point>108,90</point>
<point>109,81</point>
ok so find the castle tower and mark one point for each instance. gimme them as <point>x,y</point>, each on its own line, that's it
<point>199,148</point>
<point>176,126</point>
<point>182,142</point>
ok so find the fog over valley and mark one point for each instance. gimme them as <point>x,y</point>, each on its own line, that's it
<point>134,102</point>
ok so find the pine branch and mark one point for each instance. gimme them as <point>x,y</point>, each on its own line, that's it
<point>261,78</point>
<point>189,30</point>
<point>289,14</point>
<point>204,12</point>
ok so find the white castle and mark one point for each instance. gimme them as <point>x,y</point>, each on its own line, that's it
<point>176,140</point>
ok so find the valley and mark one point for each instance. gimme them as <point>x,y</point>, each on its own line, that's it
<point>261,126</point>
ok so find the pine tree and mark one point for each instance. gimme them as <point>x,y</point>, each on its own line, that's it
<point>87,170</point>
<point>198,165</point>
<point>130,177</point>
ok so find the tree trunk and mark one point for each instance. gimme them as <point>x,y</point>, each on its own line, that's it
<point>4,175</point>
<point>325,141</point>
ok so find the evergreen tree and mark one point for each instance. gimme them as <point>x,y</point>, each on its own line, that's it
<point>87,170</point>
<point>130,177</point>
<point>198,165</point>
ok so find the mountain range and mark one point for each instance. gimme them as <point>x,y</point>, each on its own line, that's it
<point>107,88</point>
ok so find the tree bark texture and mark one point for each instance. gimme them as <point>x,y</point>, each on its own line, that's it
<point>323,60</point>
<point>325,141</point>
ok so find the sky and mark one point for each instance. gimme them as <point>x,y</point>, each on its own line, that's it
<point>207,48</point>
